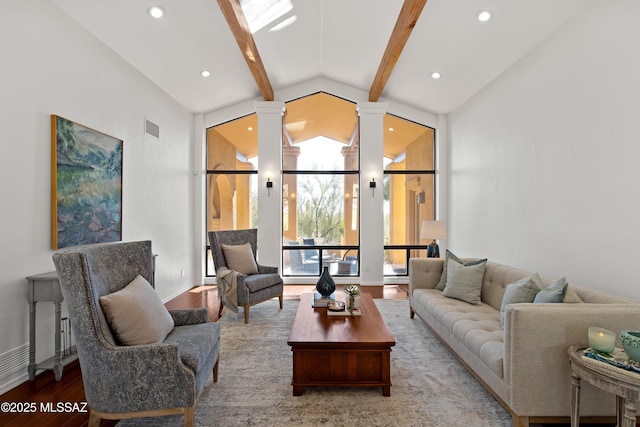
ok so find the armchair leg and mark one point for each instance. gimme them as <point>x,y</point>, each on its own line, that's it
<point>215,370</point>
<point>189,416</point>
<point>94,418</point>
<point>280,298</point>
<point>220,311</point>
<point>246,313</point>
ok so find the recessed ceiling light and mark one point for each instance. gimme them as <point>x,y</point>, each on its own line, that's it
<point>391,129</point>
<point>249,128</point>
<point>155,12</point>
<point>485,15</point>
<point>436,75</point>
<point>205,73</point>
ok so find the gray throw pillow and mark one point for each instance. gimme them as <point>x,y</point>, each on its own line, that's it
<point>451,256</point>
<point>464,282</point>
<point>553,293</point>
<point>524,290</point>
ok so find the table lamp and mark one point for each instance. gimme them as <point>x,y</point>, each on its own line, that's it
<point>434,230</point>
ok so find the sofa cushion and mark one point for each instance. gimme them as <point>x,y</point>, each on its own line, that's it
<point>240,258</point>
<point>477,327</point>
<point>524,290</point>
<point>553,293</point>
<point>450,255</point>
<point>136,314</point>
<point>464,282</point>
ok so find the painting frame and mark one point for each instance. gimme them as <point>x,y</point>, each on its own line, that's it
<point>86,185</point>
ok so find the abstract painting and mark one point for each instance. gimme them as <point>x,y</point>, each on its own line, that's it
<point>86,185</point>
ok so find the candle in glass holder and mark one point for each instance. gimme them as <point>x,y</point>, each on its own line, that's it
<point>601,339</point>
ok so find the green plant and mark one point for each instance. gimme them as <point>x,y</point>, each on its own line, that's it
<point>352,291</point>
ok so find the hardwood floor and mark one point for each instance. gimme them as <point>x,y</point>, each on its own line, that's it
<point>46,391</point>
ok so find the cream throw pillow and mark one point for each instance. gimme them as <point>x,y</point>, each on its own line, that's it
<point>136,314</point>
<point>571,297</point>
<point>240,258</point>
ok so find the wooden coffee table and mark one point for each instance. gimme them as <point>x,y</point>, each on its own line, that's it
<point>340,351</point>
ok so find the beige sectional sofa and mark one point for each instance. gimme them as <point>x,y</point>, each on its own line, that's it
<point>525,364</point>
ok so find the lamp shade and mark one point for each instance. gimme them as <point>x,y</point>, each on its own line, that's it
<point>435,230</point>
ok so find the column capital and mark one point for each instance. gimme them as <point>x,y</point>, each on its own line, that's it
<point>269,107</point>
<point>372,108</point>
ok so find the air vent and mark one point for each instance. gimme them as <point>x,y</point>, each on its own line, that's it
<point>151,128</point>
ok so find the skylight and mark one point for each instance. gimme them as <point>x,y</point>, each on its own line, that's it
<point>260,13</point>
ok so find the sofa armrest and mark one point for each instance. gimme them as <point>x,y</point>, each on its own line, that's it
<point>189,316</point>
<point>424,273</point>
<point>536,364</point>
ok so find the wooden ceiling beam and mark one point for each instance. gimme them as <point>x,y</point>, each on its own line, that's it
<point>409,14</point>
<point>239,26</point>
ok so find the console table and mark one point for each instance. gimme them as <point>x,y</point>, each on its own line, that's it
<point>45,287</point>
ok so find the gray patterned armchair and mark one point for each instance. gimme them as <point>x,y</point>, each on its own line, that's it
<point>252,289</point>
<point>131,381</point>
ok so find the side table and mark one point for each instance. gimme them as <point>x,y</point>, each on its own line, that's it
<point>625,387</point>
<point>45,287</point>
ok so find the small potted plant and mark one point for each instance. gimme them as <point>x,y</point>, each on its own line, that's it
<point>353,297</point>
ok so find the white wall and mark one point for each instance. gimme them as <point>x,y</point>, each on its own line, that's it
<point>50,65</point>
<point>544,165</point>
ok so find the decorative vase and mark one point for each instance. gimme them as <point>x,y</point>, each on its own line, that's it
<point>326,285</point>
<point>353,302</point>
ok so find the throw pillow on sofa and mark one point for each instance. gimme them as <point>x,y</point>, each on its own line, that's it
<point>524,290</point>
<point>451,256</point>
<point>570,297</point>
<point>464,282</point>
<point>553,293</point>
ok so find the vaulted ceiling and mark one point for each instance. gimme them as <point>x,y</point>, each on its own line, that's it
<point>342,40</point>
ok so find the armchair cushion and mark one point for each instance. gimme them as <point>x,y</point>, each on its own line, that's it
<point>259,282</point>
<point>136,314</point>
<point>240,258</point>
<point>195,343</point>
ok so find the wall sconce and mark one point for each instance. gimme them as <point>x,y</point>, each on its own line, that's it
<point>269,186</point>
<point>372,186</point>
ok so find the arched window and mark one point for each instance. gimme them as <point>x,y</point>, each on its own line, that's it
<point>320,187</point>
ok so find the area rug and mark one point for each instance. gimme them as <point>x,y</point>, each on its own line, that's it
<point>430,387</point>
